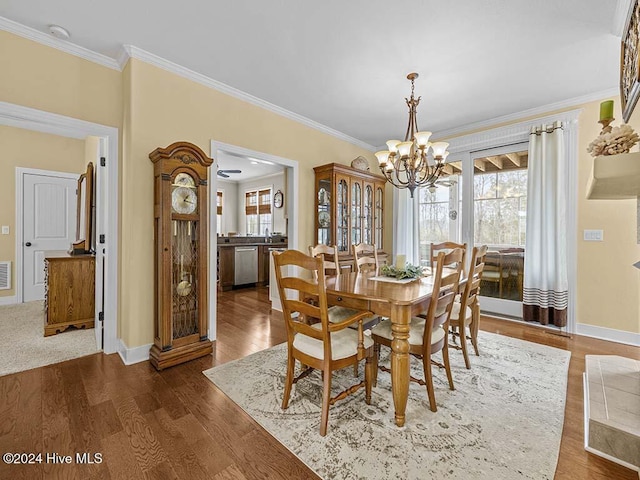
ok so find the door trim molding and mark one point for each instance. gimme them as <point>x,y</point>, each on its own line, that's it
<point>20,174</point>
<point>47,122</point>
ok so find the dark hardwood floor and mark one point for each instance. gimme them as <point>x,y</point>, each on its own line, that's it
<point>176,424</point>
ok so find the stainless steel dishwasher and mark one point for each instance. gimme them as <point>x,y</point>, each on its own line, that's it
<point>246,265</point>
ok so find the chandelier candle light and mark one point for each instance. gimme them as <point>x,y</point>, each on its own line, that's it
<point>405,164</point>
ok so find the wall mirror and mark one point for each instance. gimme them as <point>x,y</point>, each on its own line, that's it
<point>84,213</point>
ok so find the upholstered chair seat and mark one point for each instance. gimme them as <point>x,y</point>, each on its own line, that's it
<point>344,343</point>
<point>416,331</point>
<point>455,314</point>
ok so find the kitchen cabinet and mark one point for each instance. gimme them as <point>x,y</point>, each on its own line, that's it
<point>349,208</point>
<point>226,270</point>
<point>226,259</point>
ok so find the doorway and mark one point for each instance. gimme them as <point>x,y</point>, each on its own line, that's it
<point>496,214</point>
<point>290,209</point>
<point>106,214</point>
<point>499,221</point>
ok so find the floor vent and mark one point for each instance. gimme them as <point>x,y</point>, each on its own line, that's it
<point>5,275</point>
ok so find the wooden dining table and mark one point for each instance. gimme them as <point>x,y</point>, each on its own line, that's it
<point>399,302</point>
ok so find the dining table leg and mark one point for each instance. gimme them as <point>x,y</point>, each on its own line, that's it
<point>400,323</point>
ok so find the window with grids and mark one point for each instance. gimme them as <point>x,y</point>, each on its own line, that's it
<point>258,211</point>
<point>500,207</point>
<point>433,219</point>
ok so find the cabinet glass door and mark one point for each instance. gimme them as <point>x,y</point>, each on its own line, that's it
<point>342,216</point>
<point>368,214</point>
<point>378,216</point>
<point>356,213</point>
<point>324,211</point>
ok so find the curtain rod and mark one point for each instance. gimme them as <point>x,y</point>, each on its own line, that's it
<point>546,129</point>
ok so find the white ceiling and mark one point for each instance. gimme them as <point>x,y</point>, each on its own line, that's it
<point>251,168</point>
<point>344,63</point>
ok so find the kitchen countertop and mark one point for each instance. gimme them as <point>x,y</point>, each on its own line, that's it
<point>253,244</point>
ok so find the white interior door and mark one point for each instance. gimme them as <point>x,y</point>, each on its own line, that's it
<point>49,223</point>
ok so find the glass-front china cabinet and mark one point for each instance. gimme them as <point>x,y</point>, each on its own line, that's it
<point>349,207</point>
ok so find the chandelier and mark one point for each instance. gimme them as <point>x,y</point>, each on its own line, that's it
<point>405,164</point>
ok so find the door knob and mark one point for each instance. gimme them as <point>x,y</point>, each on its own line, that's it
<point>28,244</point>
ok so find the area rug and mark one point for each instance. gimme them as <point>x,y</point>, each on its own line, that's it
<point>23,345</point>
<point>503,421</point>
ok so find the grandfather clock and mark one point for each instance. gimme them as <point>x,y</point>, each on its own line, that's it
<point>180,245</point>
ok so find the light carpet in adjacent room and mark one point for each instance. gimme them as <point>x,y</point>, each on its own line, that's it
<point>23,345</point>
<point>503,421</point>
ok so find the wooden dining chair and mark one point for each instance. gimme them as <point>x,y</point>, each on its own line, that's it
<point>337,313</point>
<point>494,272</point>
<point>436,248</point>
<point>513,259</point>
<point>428,334</point>
<point>465,314</point>
<point>330,256</point>
<point>323,346</point>
<point>365,258</point>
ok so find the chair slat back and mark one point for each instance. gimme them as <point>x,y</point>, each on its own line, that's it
<point>330,256</point>
<point>447,247</point>
<point>365,258</point>
<point>444,290</point>
<point>293,289</point>
<point>472,287</point>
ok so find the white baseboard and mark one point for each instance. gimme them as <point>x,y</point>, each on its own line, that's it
<point>133,355</point>
<point>610,334</point>
<point>8,300</point>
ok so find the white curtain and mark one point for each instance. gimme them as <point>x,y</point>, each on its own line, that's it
<point>406,232</point>
<point>545,261</point>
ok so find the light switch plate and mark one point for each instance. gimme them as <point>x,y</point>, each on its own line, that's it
<point>593,235</point>
<point>5,229</point>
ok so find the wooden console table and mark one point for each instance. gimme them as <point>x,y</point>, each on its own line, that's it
<point>69,292</point>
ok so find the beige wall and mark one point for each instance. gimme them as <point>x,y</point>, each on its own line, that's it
<point>42,77</point>
<point>165,108</point>
<point>608,284</point>
<point>28,149</point>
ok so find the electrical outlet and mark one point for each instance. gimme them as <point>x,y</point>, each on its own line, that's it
<point>593,235</point>
<point>5,229</point>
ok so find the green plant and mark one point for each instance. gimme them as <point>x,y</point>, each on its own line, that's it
<point>410,271</point>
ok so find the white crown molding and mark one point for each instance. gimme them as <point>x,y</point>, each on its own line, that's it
<point>620,17</point>
<point>544,109</point>
<point>150,58</point>
<point>609,334</point>
<point>67,47</point>
<point>130,51</point>
<point>123,57</point>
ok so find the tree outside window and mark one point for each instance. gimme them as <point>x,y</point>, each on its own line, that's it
<point>500,202</point>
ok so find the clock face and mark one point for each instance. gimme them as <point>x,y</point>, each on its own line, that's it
<point>184,200</point>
